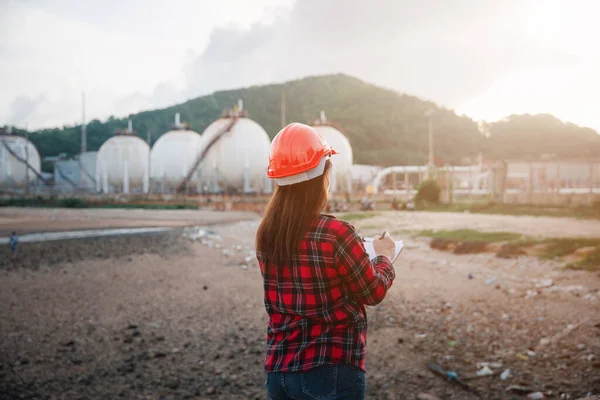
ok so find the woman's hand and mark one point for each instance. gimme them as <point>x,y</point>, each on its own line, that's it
<point>384,246</point>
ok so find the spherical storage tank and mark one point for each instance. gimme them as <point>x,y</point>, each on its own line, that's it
<point>13,172</point>
<point>172,156</point>
<point>341,171</point>
<point>122,164</point>
<point>237,161</point>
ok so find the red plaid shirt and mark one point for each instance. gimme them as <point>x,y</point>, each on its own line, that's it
<point>316,305</point>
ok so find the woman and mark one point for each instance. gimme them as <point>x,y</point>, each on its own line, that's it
<point>317,278</point>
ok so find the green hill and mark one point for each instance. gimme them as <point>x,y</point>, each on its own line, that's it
<point>383,126</point>
<point>529,136</point>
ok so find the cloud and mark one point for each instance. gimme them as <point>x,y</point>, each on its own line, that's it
<point>449,52</point>
<point>23,107</point>
<point>460,54</point>
<point>434,49</point>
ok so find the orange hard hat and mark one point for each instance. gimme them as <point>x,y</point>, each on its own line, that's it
<point>298,153</point>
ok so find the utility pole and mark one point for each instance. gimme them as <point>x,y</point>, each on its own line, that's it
<point>282,108</point>
<point>149,139</point>
<point>430,164</point>
<point>83,142</point>
<point>27,159</point>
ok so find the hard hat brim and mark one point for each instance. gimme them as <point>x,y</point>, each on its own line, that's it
<point>304,176</point>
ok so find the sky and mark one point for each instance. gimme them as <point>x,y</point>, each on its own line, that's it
<point>483,58</point>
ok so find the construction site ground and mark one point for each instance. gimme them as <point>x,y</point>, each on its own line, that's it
<point>180,314</point>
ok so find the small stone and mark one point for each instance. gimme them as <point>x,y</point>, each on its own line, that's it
<point>173,384</point>
<point>160,354</point>
<point>159,338</point>
<point>535,396</point>
<point>126,368</point>
<point>485,371</point>
<point>544,283</point>
<point>91,328</point>
<point>544,342</point>
<point>427,396</point>
<point>68,343</point>
<point>581,346</point>
<point>205,287</point>
<point>84,380</point>
<point>210,390</point>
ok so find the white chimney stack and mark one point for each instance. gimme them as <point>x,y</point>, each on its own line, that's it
<point>323,119</point>
<point>129,127</point>
<point>177,120</point>
<point>240,105</point>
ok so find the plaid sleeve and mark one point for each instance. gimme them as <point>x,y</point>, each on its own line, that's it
<point>368,281</point>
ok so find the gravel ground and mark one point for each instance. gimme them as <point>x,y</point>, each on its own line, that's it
<point>180,315</point>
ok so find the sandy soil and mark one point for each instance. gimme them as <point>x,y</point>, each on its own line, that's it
<point>166,317</point>
<point>26,220</point>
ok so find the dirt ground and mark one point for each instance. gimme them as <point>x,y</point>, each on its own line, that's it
<point>180,315</point>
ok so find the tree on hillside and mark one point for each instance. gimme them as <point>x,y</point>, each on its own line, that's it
<point>529,136</point>
<point>384,127</point>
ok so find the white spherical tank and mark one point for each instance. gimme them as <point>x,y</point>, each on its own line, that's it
<point>122,165</point>
<point>13,172</point>
<point>172,156</point>
<point>341,172</point>
<point>238,160</point>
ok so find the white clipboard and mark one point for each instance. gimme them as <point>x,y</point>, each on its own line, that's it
<point>371,251</point>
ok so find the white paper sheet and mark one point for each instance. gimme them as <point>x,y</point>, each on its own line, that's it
<point>371,251</point>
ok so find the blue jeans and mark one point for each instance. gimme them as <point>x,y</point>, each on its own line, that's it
<point>328,382</point>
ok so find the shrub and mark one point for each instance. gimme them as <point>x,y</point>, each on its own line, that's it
<point>72,202</point>
<point>428,192</point>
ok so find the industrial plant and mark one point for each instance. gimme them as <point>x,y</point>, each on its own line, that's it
<point>230,158</point>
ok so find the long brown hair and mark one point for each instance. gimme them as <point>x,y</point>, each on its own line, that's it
<point>288,217</point>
